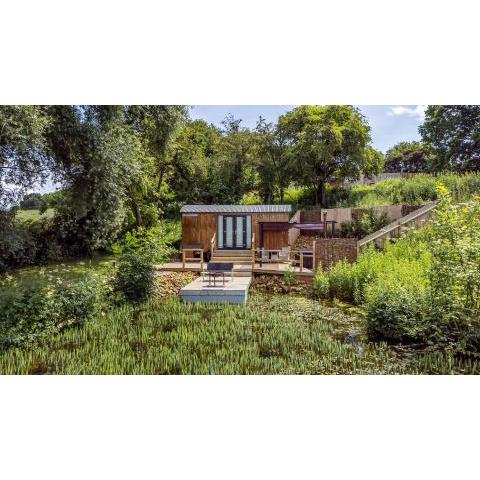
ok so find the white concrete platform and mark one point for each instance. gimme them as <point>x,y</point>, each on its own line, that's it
<point>234,291</point>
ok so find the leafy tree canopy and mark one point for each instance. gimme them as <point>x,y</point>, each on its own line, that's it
<point>408,157</point>
<point>453,132</point>
<point>328,143</point>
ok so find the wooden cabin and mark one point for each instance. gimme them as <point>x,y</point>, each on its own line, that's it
<point>233,227</point>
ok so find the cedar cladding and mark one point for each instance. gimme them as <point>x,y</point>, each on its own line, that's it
<point>199,229</point>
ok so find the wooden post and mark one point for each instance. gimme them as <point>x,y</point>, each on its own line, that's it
<point>183,259</point>
<point>301,261</point>
<point>253,251</point>
<point>325,224</point>
<point>314,247</point>
<point>201,260</point>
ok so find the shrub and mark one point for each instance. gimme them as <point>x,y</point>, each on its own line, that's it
<point>397,310</point>
<point>39,310</point>
<point>322,284</point>
<point>78,300</point>
<point>455,270</point>
<point>135,277</point>
<point>342,280</point>
<point>158,243</point>
<point>368,223</point>
<point>289,278</point>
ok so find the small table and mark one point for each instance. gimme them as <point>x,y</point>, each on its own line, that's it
<point>214,275</point>
<point>216,270</point>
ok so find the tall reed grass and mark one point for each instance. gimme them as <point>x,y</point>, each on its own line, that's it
<point>270,335</point>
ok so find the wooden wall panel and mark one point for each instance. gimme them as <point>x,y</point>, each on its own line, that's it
<point>208,227</point>
<point>266,217</point>
<point>275,240</point>
<point>190,229</point>
<point>199,229</point>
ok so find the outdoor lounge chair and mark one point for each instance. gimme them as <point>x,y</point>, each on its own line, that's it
<point>216,270</point>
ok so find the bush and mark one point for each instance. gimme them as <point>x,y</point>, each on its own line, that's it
<point>134,279</point>
<point>39,310</point>
<point>77,301</point>
<point>322,284</point>
<point>157,243</point>
<point>342,280</point>
<point>368,223</point>
<point>397,311</point>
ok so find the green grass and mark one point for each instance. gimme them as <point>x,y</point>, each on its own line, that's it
<point>413,191</point>
<point>34,215</point>
<point>277,334</point>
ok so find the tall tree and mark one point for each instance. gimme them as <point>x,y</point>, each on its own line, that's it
<point>23,160</point>
<point>273,163</point>
<point>236,152</point>
<point>408,157</point>
<point>327,143</point>
<point>94,155</point>
<point>453,132</point>
<point>193,155</point>
<point>157,124</point>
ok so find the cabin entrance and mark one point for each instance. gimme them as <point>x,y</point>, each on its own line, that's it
<point>234,232</point>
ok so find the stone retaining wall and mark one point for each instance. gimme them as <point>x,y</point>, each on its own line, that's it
<point>329,251</point>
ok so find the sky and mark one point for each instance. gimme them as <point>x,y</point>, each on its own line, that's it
<point>389,124</point>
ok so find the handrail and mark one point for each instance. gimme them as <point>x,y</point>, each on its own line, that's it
<point>213,242</point>
<point>397,224</point>
<point>253,249</point>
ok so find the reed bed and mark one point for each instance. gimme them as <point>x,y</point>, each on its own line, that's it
<point>270,335</point>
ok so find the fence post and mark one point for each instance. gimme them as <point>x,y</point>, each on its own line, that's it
<point>201,260</point>
<point>314,247</point>
<point>183,259</point>
<point>301,261</point>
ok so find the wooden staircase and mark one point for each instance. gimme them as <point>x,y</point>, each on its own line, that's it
<point>395,229</point>
<point>239,257</point>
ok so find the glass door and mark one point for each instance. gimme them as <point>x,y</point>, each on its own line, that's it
<point>234,232</point>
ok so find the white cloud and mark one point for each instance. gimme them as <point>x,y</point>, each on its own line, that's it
<point>418,111</point>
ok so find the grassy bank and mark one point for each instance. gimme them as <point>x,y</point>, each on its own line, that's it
<point>278,334</point>
<point>35,215</point>
<point>413,191</point>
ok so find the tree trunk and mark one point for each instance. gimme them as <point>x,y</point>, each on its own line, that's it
<point>320,194</point>
<point>282,194</point>
<point>136,212</point>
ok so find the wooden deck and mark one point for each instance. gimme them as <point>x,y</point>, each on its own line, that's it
<point>239,270</point>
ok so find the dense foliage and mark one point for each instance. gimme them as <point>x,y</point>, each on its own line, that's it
<point>424,287</point>
<point>453,133</point>
<point>364,224</point>
<point>42,309</point>
<point>329,143</point>
<point>413,157</point>
<point>134,277</point>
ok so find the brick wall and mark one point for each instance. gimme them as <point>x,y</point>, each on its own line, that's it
<point>329,251</point>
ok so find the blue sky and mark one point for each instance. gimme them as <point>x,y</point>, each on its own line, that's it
<point>389,124</point>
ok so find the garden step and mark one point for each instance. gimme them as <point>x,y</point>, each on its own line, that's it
<point>237,260</point>
<point>233,253</point>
